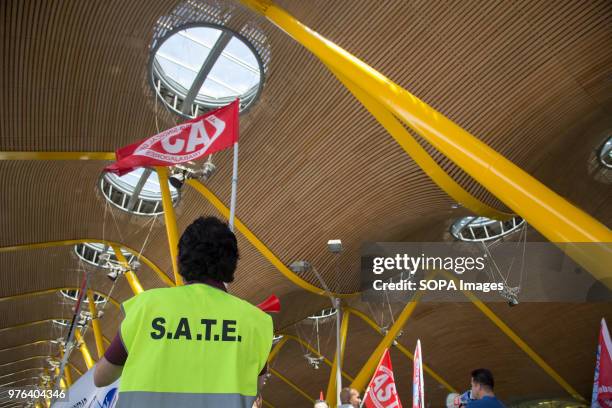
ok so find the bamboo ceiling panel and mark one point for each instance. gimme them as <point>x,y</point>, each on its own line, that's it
<point>530,78</point>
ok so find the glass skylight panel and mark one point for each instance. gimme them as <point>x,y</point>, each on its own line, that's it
<point>203,36</point>
<point>177,73</point>
<point>184,57</point>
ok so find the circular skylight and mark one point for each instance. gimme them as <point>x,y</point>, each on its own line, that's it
<point>605,153</point>
<point>480,229</point>
<point>101,255</point>
<point>137,192</point>
<point>73,295</point>
<point>199,68</point>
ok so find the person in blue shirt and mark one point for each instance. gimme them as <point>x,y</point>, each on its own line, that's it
<point>482,395</point>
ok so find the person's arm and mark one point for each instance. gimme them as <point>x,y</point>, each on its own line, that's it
<point>110,366</point>
<point>106,373</point>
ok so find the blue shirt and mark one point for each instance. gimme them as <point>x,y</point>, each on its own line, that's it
<point>486,402</point>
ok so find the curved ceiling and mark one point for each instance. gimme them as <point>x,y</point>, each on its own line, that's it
<point>531,79</point>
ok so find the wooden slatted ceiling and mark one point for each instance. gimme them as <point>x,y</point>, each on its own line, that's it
<point>529,78</point>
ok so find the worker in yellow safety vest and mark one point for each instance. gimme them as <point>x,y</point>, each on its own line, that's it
<point>193,345</point>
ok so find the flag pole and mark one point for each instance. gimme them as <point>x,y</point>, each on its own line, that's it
<point>234,188</point>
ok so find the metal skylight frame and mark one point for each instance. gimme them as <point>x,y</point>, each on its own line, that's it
<point>188,103</point>
<point>73,295</point>
<point>90,252</point>
<point>482,229</point>
<point>605,153</point>
<point>134,199</point>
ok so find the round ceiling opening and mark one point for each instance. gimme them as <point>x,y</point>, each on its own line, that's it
<point>202,67</point>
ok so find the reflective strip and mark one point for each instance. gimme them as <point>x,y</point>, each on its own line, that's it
<point>143,399</point>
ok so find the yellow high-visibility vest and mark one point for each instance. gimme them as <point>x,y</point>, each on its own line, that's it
<point>192,346</point>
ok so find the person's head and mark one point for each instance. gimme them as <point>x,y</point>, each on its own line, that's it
<point>321,404</point>
<point>350,396</point>
<point>208,249</point>
<point>482,383</point>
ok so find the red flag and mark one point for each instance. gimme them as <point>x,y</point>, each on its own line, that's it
<point>270,305</point>
<point>381,392</point>
<point>192,140</point>
<point>418,394</point>
<point>602,388</point>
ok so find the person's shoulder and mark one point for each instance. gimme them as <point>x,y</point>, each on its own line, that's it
<point>253,311</point>
<point>146,296</point>
<point>487,402</point>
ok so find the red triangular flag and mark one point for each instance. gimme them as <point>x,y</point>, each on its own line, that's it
<point>321,397</point>
<point>602,388</point>
<point>215,130</point>
<point>270,305</point>
<point>381,392</point>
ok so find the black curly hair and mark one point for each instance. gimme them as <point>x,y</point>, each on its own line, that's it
<point>208,249</point>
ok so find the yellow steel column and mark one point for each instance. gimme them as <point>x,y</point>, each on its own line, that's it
<point>95,324</point>
<point>292,385</point>
<point>62,382</point>
<point>316,353</point>
<point>129,275</point>
<point>401,348</point>
<point>517,340</point>
<point>361,380</point>
<point>89,361</point>
<point>277,348</point>
<point>553,216</point>
<point>332,393</point>
<point>170,219</point>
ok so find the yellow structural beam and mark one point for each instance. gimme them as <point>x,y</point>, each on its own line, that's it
<point>517,340</point>
<point>49,244</point>
<point>362,378</point>
<point>129,275</point>
<point>332,392</point>
<point>310,348</point>
<point>267,404</point>
<point>170,218</point>
<point>420,155</point>
<point>62,382</point>
<point>89,361</point>
<point>292,385</point>
<point>370,322</point>
<point>79,372</point>
<point>57,156</point>
<point>277,347</point>
<point>113,301</point>
<point>257,243</point>
<point>553,216</point>
<point>95,324</point>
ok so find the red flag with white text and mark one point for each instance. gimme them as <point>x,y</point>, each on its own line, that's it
<point>418,394</point>
<point>381,393</point>
<point>214,131</point>
<point>602,387</point>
